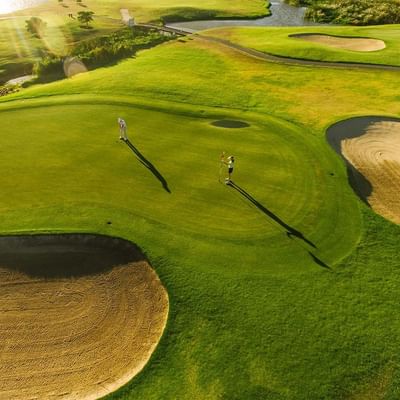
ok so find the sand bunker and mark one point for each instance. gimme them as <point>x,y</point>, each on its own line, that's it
<point>80,315</point>
<point>340,42</point>
<point>73,66</point>
<point>228,123</point>
<point>371,146</point>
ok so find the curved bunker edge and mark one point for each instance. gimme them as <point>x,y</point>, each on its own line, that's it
<point>348,129</point>
<point>379,43</point>
<point>29,259</point>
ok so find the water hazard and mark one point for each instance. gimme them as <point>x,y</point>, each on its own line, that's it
<point>282,15</point>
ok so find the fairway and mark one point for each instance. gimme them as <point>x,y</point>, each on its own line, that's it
<point>282,285</point>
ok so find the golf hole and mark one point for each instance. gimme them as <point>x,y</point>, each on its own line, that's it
<point>81,315</point>
<point>231,124</point>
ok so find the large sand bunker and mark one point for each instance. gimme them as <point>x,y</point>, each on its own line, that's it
<point>80,315</point>
<point>371,147</point>
<point>341,42</point>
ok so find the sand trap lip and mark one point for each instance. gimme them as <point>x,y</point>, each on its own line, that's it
<point>342,42</point>
<point>370,147</point>
<point>230,123</point>
<point>80,315</point>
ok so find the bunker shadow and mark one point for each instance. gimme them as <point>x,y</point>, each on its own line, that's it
<point>65,256</point>
<point>148,165</point>
<point>350,129</point>
<point>290,231</point>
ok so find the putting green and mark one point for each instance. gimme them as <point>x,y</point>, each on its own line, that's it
<point>170,173</point>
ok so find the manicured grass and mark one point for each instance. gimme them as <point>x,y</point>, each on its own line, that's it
<point>277,41</point>
<point>203,232</point>
<point>252,315</point>
<point>207,74</point>
<point>197,203</point>
<point>19,50</point>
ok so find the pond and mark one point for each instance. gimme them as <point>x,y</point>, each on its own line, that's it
<point>282,15</point>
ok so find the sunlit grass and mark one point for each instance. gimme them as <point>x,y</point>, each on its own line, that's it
<point>63,31</point>
<point>278,41</point>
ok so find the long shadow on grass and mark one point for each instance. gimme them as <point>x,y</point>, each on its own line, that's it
<point>290,231</point>
<point>149,166</point>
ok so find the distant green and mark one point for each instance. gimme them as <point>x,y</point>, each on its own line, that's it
<point>278,41</point>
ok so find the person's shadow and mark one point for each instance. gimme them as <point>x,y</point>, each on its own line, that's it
<point>290,231</point>
<point>148,165</point>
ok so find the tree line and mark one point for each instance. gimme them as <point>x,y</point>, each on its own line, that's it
<point>351,12</point>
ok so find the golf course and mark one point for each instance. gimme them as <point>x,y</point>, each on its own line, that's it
<point>134,270</point>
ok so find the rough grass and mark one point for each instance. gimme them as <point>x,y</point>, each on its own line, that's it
<point>252,315</point>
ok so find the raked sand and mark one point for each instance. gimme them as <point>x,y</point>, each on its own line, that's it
<point>345,43</point>
<point>376,155</point>
<point>77,320</point>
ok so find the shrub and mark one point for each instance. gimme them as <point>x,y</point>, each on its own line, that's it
<point>8,89</point>
<point>49,68</point>
<point>124,43</point>
<point>353,12</point>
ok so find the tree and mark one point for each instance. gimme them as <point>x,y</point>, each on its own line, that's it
<point>85,17</point>
<point>36,26</point>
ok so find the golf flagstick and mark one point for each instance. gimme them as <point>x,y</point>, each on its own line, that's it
<point>221,165</point>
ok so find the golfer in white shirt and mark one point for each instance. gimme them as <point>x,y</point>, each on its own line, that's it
<point>122,129</point>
